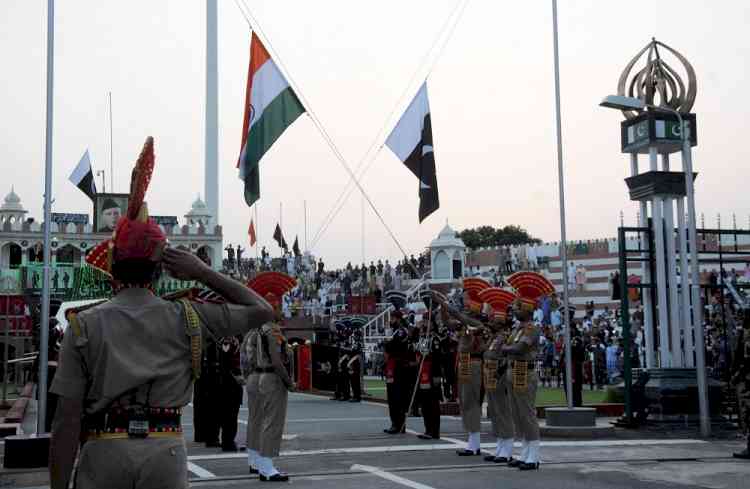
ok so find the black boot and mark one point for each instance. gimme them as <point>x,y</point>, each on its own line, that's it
<point>744,454</point>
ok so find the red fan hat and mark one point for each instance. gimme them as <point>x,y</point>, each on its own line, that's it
<point>530,287</point>
<point>136,236</point>
<point>473,286</point>
<point>272,286</point>
<point>499,300</point>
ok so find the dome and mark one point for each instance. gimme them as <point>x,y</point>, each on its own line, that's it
<point>199,209</point>
<point>447,239</point>
<point>12,203</point>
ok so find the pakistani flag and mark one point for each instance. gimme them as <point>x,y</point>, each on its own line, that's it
<point>411,141</point>
<point>83,177</point>
<point>270,107</point>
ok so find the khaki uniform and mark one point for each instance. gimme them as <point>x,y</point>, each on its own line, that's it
<point>137,344</point>
<point>523,383</point>
<point>470,351</point>
<point>268,385</point>
<point>497,384</point>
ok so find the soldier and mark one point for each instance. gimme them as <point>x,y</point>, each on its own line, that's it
<point>497,384</point>
<point>205,412</point>
<point>354,365</point>
<point>397,382</point>
<point>741,379</point>
<point>268,387</point>
<point>127,365</point>
<point>342,374</point>
<point>471,349</point>
<point>230,382</point>
<point>522,352</point>
<point>429,393</point>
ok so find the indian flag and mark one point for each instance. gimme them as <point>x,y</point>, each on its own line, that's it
<point>270,107</point>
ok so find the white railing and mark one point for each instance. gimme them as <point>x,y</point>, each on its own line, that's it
<point>741,300</point>
<point>378,328</point>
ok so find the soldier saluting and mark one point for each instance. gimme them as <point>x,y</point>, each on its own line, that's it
<point>471,347</point>
<point>127,366</point>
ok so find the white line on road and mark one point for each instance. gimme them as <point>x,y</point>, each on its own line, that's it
<point>388,476</point>
<point>200,471</point>
<point>452,446</point>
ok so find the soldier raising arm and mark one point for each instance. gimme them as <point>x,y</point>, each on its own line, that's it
<point>127,366</point>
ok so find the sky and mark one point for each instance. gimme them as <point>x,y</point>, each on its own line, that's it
<point>357,64</point>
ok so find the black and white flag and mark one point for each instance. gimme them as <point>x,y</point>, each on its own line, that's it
<point>83,177</point>
<point>411,141</point>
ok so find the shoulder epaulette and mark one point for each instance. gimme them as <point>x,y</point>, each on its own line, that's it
<point>74,324</point>
<point>193,330</point>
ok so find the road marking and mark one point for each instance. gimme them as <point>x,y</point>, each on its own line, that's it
<point>452,446</point>
<point>388,476</point>
<point>200,471</point>
<point>335,420</point>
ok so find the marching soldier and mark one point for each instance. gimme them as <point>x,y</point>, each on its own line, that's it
<point>521,352</point>
<point>497,384</point>
<point>471,349</point>
<point>127,365</point>
<point>268,385</point>
<point>741,379</point>
<point>397,381</point>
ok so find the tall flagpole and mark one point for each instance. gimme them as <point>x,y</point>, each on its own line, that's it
<point>44,326</point>
<point>111,151</point>
<point>563,238</point>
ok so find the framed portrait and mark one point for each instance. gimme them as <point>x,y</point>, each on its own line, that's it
<point>108,208</point>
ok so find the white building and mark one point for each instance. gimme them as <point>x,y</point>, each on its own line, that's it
<point>447,256</point>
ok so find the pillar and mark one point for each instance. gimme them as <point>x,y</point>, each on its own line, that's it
<point>212,111</point>
<point>674,303</point>
<point>657,213</point>
<point>685,310</point>
<point>648,323</point>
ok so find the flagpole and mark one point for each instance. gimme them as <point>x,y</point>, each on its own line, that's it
<point>44,326</point>
<point>111,151</point>
<point>563,238</point>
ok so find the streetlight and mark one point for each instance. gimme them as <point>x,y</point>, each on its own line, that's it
<point>621,102</point>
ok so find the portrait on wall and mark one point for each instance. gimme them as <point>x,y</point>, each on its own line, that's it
<point>108,208</point>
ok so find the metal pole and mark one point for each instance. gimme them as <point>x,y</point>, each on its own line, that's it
<point>627,368</point>
<point>5,347</point>
<point>111,150</point>
<point>44,326</point>
<point>563,238</point>
<point>700,345</point>
<point>685,284</point>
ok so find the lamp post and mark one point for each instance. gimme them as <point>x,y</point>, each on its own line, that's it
<point>620,102</point>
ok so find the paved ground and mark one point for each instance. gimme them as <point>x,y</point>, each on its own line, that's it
<point>332,444</point>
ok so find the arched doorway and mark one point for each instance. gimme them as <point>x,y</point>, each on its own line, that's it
<point>11,256</point>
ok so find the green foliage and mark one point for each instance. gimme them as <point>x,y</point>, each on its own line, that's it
<point>488,236</point>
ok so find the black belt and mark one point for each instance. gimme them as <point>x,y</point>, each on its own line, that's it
<point>267,370</point>
<point>118,420</point>
<point>477,355</point>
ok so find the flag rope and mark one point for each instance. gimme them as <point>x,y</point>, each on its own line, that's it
<point>379,136</point>
<point>252,21</point>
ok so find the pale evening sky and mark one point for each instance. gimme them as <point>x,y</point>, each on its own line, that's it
<point>491,96</point>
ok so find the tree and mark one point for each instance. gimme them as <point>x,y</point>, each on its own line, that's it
<point>488,236</point>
